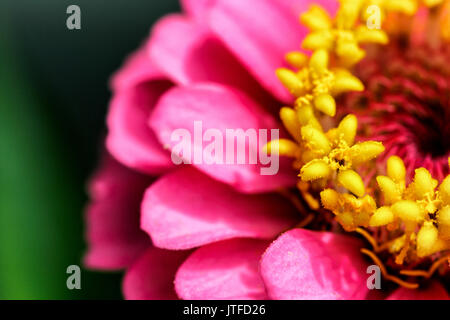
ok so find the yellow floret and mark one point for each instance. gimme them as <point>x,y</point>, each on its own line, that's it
<point>382,217</point>
<point>427,239</point>
<point>408,210</point>
<point>351,181</point>
<point>283,147</point>
<point>316,169</point>
<point>423,183</point>
<point>396,169</point>
<point>390,190</point>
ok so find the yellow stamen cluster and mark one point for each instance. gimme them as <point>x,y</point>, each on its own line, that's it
<point>334,153</point>
<point>422,210</point>
<point>415,218</point>
<point>314,84</point>
<point>343,35</point>
<point>351,212</point>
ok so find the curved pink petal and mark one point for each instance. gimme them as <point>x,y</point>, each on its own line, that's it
<point>130,140</point>
<point>136,69</point>
<point>197,8</point>
<point>151,276</point>
<point>226,270</point>
<point>260,33</point>
<point>308,265</point>
<point>185,209</point>
<point>113,234</point>
<point>137,87</point>
<point>435,291</point>
<point>200,109</point>
<point>199,57</point>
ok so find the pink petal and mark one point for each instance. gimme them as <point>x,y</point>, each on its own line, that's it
<point>435,291</point>
<point>303,264</point>
<point>226,270</point>
<point>260,33</point>
<point>198,57</point>
<point>113,234</point>
<point>130,140</point>
<point>219,108</point>
<point>136,69</point>
<point>185,209</point>
<point>137,86</point>
<point>197,8</point>
<point>152,276</point>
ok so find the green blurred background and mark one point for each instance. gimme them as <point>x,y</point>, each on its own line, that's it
<point>53,100</point>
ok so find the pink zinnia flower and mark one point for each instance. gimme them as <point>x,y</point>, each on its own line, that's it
<point>214,231</point>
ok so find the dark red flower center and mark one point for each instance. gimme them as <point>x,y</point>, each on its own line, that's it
<point>406,103</point>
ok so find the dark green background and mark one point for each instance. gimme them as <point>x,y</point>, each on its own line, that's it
<point>53,99</point>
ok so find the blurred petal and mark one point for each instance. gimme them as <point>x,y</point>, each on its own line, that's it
<point>308,265</point>
<point>136,69</point>
<point>130,140</point>
<point>152,276</point>
<point>221,109</point>
<point>198,57</point>
<point>113,234</point>
<point>225,270</point>
<point>435,291</point>
<point>136,88</point>
<point>185,209</point>
<point>197,8</point>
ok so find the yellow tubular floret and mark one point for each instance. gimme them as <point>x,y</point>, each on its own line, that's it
<point>345,81</point>
<point>346,219</point>
<point>297,59</point>
<point>349,52</point>
<point>330,199</point>
<point>319,61</point>
<point>352,181</point>
<point>316,18</point>
<point>316,139</point>
<point>382,217</point>
<point>314,170</point>
<point>291,81</point>
<point>365,151</point>
<point>396,169</point>
<point>347,129</point>
<point>325,103</point>
<point>408,7</point>
<point>423,183</point>
<point>427,239</point>
<point>322,39</point>
<point>306,117</point>
<point>348,13</point>
<point>408,210</point>
<point>363,34</point>
<point>291,123</point>
<point>283,147</point>
<point>389,189</point>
